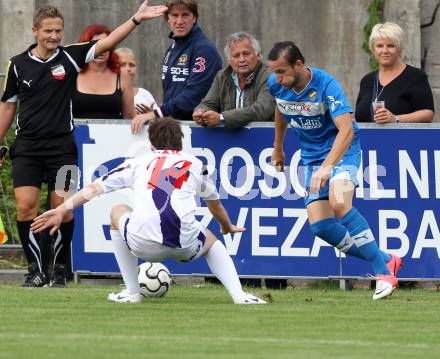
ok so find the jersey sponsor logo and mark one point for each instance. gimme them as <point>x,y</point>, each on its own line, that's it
<point>179,71</point>
<point>312,94</point>
<point>334,103</point>
<point>58,72</point>
<point>28,83</point>
<point>199,65</point>
<point>292,108</point>
<point>305,123</point>
<point>182,60</point>
<point>178,79</point>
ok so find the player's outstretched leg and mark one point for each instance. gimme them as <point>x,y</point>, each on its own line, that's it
<point>223,268</point>
<point>363,238</point>
<point>127,262</point>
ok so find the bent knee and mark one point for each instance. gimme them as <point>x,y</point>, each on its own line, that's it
<point>26,211</point>
<point>116,213</point>
<point>340,209</point>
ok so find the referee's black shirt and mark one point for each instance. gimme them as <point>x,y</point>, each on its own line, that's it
<point>44,90</point>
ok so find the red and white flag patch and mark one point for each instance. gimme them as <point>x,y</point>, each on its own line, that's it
<point>58,72</point>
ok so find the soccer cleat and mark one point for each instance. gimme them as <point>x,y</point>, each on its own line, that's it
<point>385,285</point>
<point>124,297</point>
<point>34,279</point>
<point>58,276</point>
<point>394,264</point>
<point>248,298</point>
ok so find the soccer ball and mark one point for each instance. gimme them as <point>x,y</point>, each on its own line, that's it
<point>154,279</point>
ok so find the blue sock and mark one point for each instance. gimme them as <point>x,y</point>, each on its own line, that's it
<point>364,240</point>
<point>331,231</point>
<point>352,228</point>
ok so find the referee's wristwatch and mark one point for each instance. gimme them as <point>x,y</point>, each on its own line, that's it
<point>396,119</point>
<point>136,22</point>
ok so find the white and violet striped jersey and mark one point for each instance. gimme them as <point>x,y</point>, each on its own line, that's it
<point>165,184</point>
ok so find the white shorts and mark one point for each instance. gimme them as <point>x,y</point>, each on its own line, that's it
<point>153,251</point>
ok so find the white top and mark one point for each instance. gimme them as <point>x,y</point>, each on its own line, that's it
<point>143,97</point>
<point>165,185</point>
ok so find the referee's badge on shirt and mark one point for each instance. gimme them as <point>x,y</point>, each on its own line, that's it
<point>58,72</point>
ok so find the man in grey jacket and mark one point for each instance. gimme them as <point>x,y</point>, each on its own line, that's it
<point>239,93</point>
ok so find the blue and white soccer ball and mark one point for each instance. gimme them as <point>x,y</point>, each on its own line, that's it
<point>154,279</point>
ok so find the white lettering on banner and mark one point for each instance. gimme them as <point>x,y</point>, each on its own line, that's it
<point>271,171</point>
<point>399,232</point>
<point>437,173</point>
<point>232,242</point>
<point>377,190</point>
<point>225,169</point>
<point>208,154</point>
<point>360,178</point>
<point>318,243</point>
<point>286,247</point>
<point>428,221</point>
<point>295,176</point>
<point>421,182</point>
<point>259,230</point>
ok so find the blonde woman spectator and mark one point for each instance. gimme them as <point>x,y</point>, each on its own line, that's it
<point>143,99</point>
<point>397,92</point>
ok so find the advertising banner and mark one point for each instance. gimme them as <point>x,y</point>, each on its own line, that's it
<point>398,194</point>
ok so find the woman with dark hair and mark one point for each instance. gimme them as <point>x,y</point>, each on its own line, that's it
<point>102,92</point>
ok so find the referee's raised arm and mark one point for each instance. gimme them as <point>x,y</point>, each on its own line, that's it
<point>144,12</point>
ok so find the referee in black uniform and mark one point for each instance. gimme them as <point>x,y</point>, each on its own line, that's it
<point>42,80</point>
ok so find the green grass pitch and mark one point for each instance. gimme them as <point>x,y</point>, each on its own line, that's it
<point>201,322</point>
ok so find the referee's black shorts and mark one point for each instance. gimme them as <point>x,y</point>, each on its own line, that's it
<point>54,161</point>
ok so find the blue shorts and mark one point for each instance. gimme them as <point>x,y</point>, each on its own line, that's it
<point>347,168</point>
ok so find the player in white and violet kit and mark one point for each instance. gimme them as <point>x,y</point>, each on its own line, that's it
<point>39,86</point>
<point>162,223</point>
<point>313,103</point>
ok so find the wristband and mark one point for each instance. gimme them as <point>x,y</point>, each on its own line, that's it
<point>135,21</point>
<point>222,120</point>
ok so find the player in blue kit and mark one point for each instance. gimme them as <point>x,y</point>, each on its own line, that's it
<point>313,103</point>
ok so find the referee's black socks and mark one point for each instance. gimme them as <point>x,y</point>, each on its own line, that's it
<point>61,247</point>
<point>30,243</point>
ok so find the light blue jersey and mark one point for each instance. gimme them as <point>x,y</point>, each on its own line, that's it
<point>311,113</point>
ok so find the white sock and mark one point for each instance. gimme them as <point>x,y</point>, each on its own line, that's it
<point>127,262</point>
<point>223,268</point>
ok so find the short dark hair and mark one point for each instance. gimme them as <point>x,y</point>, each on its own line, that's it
<point>46,12</point>
<point>165,134</point>
<point>191,5</point>
<point>288,49</point>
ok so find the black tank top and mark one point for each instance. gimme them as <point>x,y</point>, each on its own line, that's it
<point>93,106</point>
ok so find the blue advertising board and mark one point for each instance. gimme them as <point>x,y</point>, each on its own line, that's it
<point>398,194</point>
